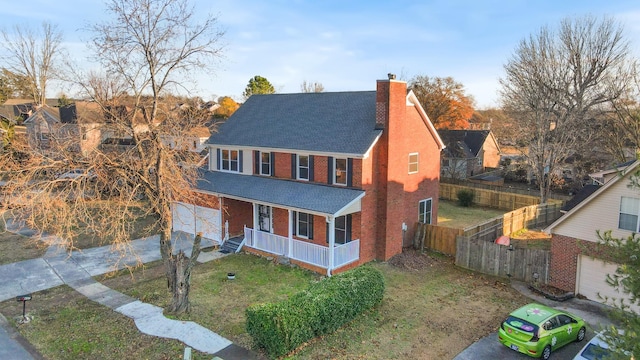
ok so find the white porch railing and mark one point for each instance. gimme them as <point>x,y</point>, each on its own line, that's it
<point>301,250</point>
<point>265,241</point>
<point>346,253</point>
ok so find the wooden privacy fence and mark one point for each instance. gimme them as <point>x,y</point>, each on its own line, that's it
<point>488,258</point>
<point>491,198</point>
<point>438,238</point>
<point>443,239</point>
<point>528,217</point>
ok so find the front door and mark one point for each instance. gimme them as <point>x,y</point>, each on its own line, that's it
<point>264,218</point>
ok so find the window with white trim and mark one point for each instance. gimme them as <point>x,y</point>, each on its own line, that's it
<point>340,169</point>
<point>304,225</point>
<point>413,163</point>
<point>629,211</point>
<point>265,163</point>
<point>424,211</point>
<point>302,167</point>
<point>229,160</point>
<point>341,230</point>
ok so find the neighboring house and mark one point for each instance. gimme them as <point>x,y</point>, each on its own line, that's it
<point>327,180</point>
<point>194,140</point>
<point>468,153</point>
<point>76,127</point>
<point>602,177</point>
<point>14,109</point>
<point>577,263</point>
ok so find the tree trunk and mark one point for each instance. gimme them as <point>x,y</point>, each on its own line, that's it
<point>178,269</point>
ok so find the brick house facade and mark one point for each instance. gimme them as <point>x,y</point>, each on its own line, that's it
<point>579,262</point>
<point>329,180</point>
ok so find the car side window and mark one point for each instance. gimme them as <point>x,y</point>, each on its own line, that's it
<point>564,319</point>
<point>551,323</point>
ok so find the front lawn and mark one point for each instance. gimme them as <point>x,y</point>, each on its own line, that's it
<point>14,248</point>
<point>431,309</point>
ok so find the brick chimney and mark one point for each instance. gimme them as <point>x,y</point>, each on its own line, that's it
<point>390,95</point>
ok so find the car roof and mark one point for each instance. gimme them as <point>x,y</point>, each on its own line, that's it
<point>535,313</point>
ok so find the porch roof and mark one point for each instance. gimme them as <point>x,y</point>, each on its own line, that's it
<point>310,197</point>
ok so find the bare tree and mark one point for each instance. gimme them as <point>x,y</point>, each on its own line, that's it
<point>33,55</point>
<point>308,87</point>
<point>140,168</point>
<point>557,84</point>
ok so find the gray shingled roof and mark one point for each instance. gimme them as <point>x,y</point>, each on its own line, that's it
<point>340,122</point>
<point>312,197</point>
<point>463,144</point>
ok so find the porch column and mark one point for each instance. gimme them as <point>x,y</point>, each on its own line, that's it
<point>290,241</point>
<point>332,241</point>
<point>255,218</point>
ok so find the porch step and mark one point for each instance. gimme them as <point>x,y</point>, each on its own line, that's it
<point>231,245</point>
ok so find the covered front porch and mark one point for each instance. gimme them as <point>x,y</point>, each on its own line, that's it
<point>325,257</point>
<point>310,224</point>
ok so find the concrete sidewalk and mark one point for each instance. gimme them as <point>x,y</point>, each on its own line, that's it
<point>77,269</point>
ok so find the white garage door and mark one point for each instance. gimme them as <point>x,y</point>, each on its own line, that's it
<point>193,219</point>
<point>592,280</point>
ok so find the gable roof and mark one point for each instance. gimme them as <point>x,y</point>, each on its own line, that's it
<point>463,143</point>
<point>630,169</point>
<point>332,122</point>
<point>45,112</point>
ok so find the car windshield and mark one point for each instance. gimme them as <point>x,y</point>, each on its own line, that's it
<point>521,324</point>
<point>595,352</point>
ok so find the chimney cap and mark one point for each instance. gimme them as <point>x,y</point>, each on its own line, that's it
<point>391,76</point>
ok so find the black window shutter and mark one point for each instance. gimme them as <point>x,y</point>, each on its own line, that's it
<point>349,172</point>
<point>256,162</point>
<point>295,223</point>
<point>330,170</point>
<point>240,160</point>
<point>310,167</point>
<point>348,227</point>
<point>327,232</point>
<point>218,157</point>
<point>310,217</point>
<point>273,164</point>
<point>293,166</point>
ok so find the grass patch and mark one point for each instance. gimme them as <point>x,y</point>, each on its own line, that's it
<point>450,214</point>
<point>410,323</point>
<point>66,325</point>
<point>14,248</point>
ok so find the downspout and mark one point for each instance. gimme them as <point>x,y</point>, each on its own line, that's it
<point>332,242</point>
<point>290,250</point>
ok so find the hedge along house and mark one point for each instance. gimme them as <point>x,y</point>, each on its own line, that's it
<point>328,180</point>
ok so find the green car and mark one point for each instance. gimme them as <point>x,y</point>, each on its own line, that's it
<point>536,330</point>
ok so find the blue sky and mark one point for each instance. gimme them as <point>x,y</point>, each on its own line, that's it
<point>347,45</point>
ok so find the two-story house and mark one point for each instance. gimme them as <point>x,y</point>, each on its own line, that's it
<point>327,180</point>
<point>468,153</point>
<point>577,263</point>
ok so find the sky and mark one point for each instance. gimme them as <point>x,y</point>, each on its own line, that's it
<point>346,45</point>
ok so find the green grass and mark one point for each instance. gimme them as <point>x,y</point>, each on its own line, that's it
<point>410,323</point>
<point>454,216</point>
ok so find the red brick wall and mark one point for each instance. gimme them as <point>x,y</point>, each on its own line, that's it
<point>320,169</point>
<point>239,214</point>
<point>283,165</point>
<point>564,259</point>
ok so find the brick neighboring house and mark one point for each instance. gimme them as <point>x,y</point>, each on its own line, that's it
<point>468,153</point>
<point>577,264</point>
<point>328,180</point>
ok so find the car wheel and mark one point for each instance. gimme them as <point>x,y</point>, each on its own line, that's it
<point>581,333</point>
<point>546,353</point>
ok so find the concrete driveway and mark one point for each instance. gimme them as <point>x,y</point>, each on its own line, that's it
<point>488,348</point>
<point>595,315</point>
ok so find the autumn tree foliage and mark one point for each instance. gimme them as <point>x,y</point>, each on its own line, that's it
<point>227,107</point>
<point>258,85</point>
<point>444,100</point>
